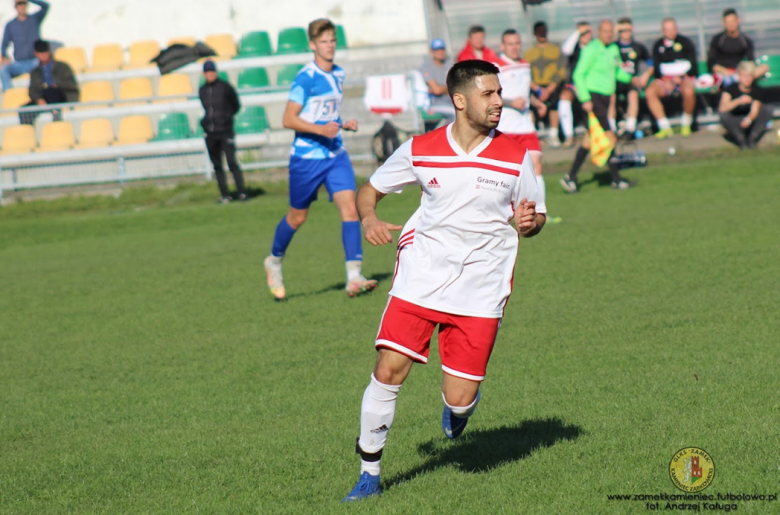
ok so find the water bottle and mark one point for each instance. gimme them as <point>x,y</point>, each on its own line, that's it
<point>639,134</point>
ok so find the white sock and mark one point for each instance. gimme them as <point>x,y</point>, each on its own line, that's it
<point>462,411</point>
<point>276,260</point>
<point>540,182</point>
<point>553,133</point>
<point>663,124</point>
<point>612,124</point>
<point>630,124</point>
<point>566,117</point>
<point>353,270</point>
<point>686,120</point>
<point>376,418</point>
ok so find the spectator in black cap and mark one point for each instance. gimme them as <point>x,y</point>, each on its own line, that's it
<point>51,82</point>
<point>220,101</point>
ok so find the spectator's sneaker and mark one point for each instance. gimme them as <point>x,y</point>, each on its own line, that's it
<point>367,486</point>
<point>685,131</point>
<point>568,142</point>
<point>554,219</point>
<point>225,200</point>
<point>360,285</point>
<point>569,185</point>
<point>623,184</point>
<point>452,424</point>
<point>243,197</point>
<point>664,133</point>
<point>274,273</point>
<point>554,141</point>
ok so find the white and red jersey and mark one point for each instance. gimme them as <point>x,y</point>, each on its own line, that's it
<point>515,78</point>
<point>457,253</point>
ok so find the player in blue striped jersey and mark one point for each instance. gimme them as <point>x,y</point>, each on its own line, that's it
<point>318,157</point>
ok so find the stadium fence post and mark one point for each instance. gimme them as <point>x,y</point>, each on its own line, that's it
<point>121,172</point>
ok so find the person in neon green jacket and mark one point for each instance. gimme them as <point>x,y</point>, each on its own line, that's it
<point>598,69</point>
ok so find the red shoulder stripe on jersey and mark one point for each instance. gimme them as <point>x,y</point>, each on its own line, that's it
<point>504,148</point>
<point>466,164</point>
<point>434,143</point>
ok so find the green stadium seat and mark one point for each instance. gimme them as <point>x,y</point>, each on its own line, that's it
<point>772,78</point>
<point>341,38</point>
<point>255,44</point>
<point>221,74</point>
<point>253,78</point>
<point>292,41</point>
<point>251,120</point>
<point>287,74</point>
<point>702,68</point>
<point>173,126</point>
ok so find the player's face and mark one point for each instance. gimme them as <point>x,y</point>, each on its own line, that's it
<point>586,36</point>
<point>477,40</point>
<point>606,32</point>
<point>731,23</point>
<point>669,28</point>
<point>512,46</point>
<point>626,33</point>
<point>325,45</point>
<point>483,104</point>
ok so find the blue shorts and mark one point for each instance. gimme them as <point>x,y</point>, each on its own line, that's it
<point>307,175</point>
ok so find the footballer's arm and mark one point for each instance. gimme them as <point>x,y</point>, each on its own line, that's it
<point>528,222</point>
<point>292,120</point>
<point>375,230</point>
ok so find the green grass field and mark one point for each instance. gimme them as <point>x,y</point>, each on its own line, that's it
<point>144,367</point>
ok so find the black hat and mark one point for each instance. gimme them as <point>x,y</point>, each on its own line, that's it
<point>41,46</point>
<point>209,66</point>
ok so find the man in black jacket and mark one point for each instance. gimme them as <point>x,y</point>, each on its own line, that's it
<point>51,82</point>
<point>221,104</point>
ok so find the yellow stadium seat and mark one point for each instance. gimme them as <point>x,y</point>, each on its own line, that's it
<point>182,40</point>
<point>19,139</point>
<point>15,98</point>
<point>57,136</point>
<point>96,133</point>
<point>75,56</point>
<point>96,91</point>
<point>107,58</point>
<point>141,53</point>
<point>174,84</point>
<point>135,87</point>
<point>135,130</point>
<point>223,44</point>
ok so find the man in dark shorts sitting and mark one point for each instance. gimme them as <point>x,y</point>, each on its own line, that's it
<point>635,57</point>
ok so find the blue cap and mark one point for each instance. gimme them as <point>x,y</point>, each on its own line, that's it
<point>438,44</point>
<point>209,66</point>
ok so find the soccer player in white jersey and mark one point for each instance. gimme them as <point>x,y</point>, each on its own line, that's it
<point>516,120</point>
<point>318,157</point>
<point>456,256</point>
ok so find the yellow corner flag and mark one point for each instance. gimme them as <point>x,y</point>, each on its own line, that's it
<point>600,145</point>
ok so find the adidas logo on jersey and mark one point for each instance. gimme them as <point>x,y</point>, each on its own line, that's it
<point>434,183</point>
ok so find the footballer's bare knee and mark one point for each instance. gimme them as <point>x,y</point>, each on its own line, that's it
<point>297,217</point>
<point>392,367</point>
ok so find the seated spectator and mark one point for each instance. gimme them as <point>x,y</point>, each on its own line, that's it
<point>475,47</point>
<point>674,67</point>
<point>728,49</point>
<point>742,109</point>
<point>434,71</point>
<point>548,72</point>
<point>51,82</point>
<point>572,48</point>
<point>637,62</point>
<point>23,31</point>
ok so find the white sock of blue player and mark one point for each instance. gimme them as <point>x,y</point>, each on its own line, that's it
<point>376,417</point>
<point>566,117</point>
<point>354,270</point>
<point>462,411</point>
<point>542,186</point>
<point>282,238</point>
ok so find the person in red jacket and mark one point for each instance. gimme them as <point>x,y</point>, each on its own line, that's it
<point>475,47</point>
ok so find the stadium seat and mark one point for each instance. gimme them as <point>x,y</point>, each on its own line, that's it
<point>772,78</point>
<point>341,38</point>
<point>172,85</point>
<point>107,58</point>
<point>57,136</point>
<point>135,130</point>
<point>182,40</point>
<point>173,126</point>
<point>96,91</point>
<point>221,74</point>
<point>141,53</point>
<point>75,56</point>
<point>222,44</point>
<point>135,87</point>
<point>255,44</point>
<point>15,98</point>
<point>292,41</point>
<point>253,78</point>
<point>96,133</point>
<point>19,139</point>
<point>287,74</point>
<point>251,120</point>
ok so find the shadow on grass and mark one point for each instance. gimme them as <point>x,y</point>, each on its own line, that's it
<point>336,287</point>
<point>254,192</point>
<point>600,178</point>
<point>486,449</point>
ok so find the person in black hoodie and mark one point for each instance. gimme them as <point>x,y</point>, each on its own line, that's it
<point>221,104</point>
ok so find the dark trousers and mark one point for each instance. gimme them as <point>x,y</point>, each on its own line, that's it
<point>751,135</point>
<point>51,96</point>
<point>218,144</point>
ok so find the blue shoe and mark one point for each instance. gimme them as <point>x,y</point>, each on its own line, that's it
<point>367,486</point>
<point>453,425</point>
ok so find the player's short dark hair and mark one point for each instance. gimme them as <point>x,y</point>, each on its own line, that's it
<point>461,76</point>
<point>539,24</point>
<point>476,29</point>
<point>729,12</point>
<point>625,20</point>
<point>508,32</point>
<point>320,26</point>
